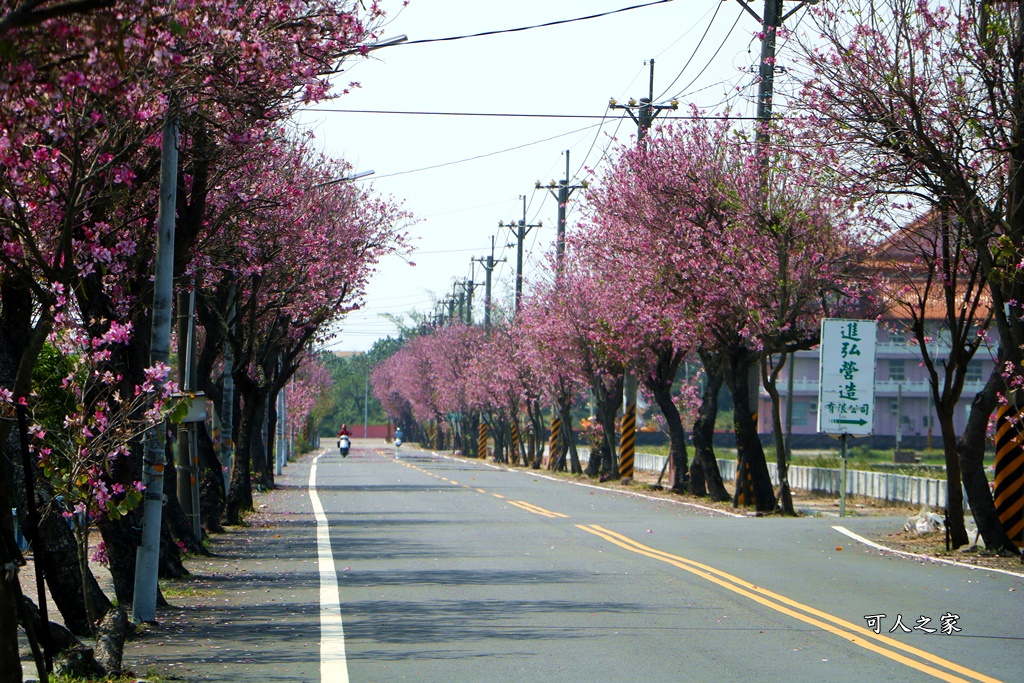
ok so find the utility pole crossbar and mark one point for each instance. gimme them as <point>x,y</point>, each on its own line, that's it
<point>520,228</point>
<point>489,263</point>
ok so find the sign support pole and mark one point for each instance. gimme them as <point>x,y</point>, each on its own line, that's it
<point>844,441</point>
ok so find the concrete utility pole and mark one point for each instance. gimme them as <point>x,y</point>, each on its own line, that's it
<point>188,449</point>
<point>468,286</point>
<point>770,23</point>
<point>489,264</point>
<point>644,115</point>
<point>564,191</point>
<point>644,112</point>
<point>521,229</point>
<point>460,298</point>
<point>227,406</point>
<point>773,18</point>
<point>147,558</point>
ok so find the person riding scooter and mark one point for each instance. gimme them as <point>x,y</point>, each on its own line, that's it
<point>344,440</point>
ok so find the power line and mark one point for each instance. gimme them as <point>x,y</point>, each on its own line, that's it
<point>444,251</point>
<point>502,114</point>
<point>724,41</point>
<point>454,113</point>
<point>695,49</point>
<point>531,27</point>
<point>489,154</point>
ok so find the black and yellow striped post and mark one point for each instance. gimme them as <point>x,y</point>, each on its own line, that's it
<point>481,444</point>
<point>1009,484</point>
<point>515,441</point>
<point>433,435</point>
<point>627,442</point>
<point>556,427</point>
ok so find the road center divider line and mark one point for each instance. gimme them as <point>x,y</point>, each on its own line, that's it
<point>333,662</point>
<point>534,510</point>
<point>858,635</point>
<point>539,509</point>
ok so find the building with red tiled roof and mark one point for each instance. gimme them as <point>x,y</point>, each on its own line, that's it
<point>903,401</point>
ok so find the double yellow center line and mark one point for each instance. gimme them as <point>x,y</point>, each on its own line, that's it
<point>856,634</point>
<point>853,633</point>
<point>530,507</point>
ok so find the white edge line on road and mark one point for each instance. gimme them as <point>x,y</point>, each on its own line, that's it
<point>533,473</point>
<point>876,546</point>
<point>333,663</point>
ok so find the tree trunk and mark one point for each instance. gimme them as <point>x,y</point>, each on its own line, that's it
<point>72,657</point>
<point>565,411</point>
<point>58,555</point>
<point>607,401</point>
<point>10,590</point>
<point>110,637</point>
<point>770,378</point>
<point>660,387</point>
<point>498,432</point>
<point>259,458</point>
<point>536,430</point>
<point>64,576</point>
<point>753,483</point>
<point>177,522</point>
<point>704,471</point>
<point>470,440</point>
<point>239,499</point>
<point>971,450</point>
<point>211,484</point>
<point>954,490</point>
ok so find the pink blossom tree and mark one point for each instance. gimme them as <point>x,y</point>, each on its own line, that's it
<point>308,249</point>
<point>923,104</point>
<point>747,265</point>
<point>564,321</point>
<point>80,156</point>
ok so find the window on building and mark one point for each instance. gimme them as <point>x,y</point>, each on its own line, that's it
<point>973,371</point>
<point>894,407</point>
<point>897,370</point>
<point>799,414</point>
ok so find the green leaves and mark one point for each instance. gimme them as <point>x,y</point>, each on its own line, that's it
<point>179,409</point>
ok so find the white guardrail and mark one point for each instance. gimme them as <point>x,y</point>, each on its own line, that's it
<point>879,485</point>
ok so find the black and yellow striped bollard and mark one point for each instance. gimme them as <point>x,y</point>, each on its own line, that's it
<point>515,441</point>
<point>627,442</point>
<point>481,444</point>
<point>556,427</point>
<point>1009,478</point>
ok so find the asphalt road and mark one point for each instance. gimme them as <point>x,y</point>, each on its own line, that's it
<point>454,570</point>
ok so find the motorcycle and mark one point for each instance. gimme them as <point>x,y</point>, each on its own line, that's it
<point>343,446</point>
<point>398,442</point>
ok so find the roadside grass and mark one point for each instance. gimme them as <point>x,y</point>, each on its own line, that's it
<point>150,677</point>
<point>929,463</point>
<point>174,589</point>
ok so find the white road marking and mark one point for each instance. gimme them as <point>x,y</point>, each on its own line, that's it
<point>333,664</point>
<point>876,546</point>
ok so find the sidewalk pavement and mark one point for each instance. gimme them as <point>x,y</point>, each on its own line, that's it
<point>249,613</point>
